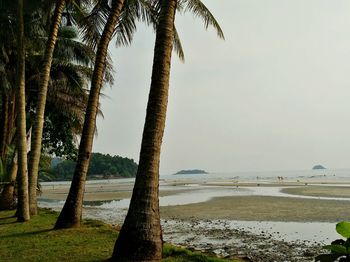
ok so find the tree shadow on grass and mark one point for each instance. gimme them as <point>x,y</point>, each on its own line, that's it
<point>9,217</point>
<point>104,260</point>
<point>11,220</point>
<point>8,223</point>
<point>27,233</point>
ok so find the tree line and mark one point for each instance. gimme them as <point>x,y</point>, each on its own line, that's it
<point>102,166</point>
<point>54,61</point>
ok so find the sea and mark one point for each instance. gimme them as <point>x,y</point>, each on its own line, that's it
<point>324,175</point>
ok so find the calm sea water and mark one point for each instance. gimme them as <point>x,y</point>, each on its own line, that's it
<point>325,174</point>
<point>336,175</point>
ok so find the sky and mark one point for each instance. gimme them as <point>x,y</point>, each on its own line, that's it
<point>275,95</point>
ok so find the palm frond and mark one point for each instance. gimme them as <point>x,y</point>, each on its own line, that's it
<point>200,10</point>
<point>178,46</point>
<point>109,71</point>
<point>69,50</point>
<point>92,22</point>
<point>68,32</point>
<point>126,26</point>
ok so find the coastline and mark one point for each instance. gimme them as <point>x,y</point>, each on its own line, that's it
<point>231,218</point>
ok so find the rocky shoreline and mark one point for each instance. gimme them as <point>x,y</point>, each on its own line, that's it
<point>218,238</point>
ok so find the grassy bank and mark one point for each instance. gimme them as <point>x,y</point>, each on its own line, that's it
<point>94,241</point>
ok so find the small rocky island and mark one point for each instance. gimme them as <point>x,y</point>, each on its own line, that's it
<point>191,172</point>
<point>318,167</point>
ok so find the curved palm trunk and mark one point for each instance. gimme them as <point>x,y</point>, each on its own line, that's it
<point>140,238</point>
<point>12,119</point>
<point>40,109</point>
<point>7,198</point>
<point>23,196</point>
<point>70,215</point>
<point>4,126</point>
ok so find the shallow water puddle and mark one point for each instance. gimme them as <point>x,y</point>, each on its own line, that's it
<point>290,231</point>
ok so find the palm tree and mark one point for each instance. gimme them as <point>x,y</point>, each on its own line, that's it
<point>122,23</point>
<point>23,196</point>
<point>55,21</point>
<point>66,101</point>
<point>70,215</point>
<point>140,238</point>
<point>10,78</point>
<point>7,77</point>
<point>40,109</point>
<point>7,199</point>
<point>3,124</point>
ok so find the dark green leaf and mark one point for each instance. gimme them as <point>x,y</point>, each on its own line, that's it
<point>327,258</point>
<point>347,244</point>
<point>339,249</point>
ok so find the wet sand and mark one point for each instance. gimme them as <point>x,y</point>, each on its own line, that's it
<point>207,225</point>
<point>319,191</point>
<point>99,192</point>
<point>248,208</point>
<point>96,192</point>
<point>262,208</point>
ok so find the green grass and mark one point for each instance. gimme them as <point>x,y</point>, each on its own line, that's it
<point>94,241</point>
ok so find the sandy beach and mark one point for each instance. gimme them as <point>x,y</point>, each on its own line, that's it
<point>261,221</point>
<point>262,208</point>
<point>320,191</point>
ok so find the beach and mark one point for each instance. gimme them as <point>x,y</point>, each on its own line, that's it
<point>260,220</point>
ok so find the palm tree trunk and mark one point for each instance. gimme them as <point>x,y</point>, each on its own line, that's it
<point>70,215</point>
<point>4,126</point>
<point>40,109</point>
<point>7,199</point>
<point>23,197</point>
<point>12,120</point>
<point>140,238</point>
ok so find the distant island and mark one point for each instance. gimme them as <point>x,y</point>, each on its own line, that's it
<point>191,172</point>
<point>318,167</point>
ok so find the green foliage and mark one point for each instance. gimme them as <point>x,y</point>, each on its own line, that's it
<point>343,228</point>
<point>339,249</point>
<point>108,165</point>
<point>70,73</point>
<point>59,135</point>
<point>64,170</point>
<point>101,166</point>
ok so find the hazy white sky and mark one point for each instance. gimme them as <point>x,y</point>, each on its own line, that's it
<point>274,96</point>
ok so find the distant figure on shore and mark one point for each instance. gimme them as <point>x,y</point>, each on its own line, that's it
<point>280,179</point>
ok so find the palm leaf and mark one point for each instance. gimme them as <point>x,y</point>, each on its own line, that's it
<point>198,9</point>
<point>178,46</point>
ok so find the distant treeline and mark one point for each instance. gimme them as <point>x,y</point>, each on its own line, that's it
<point>101,167</point>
